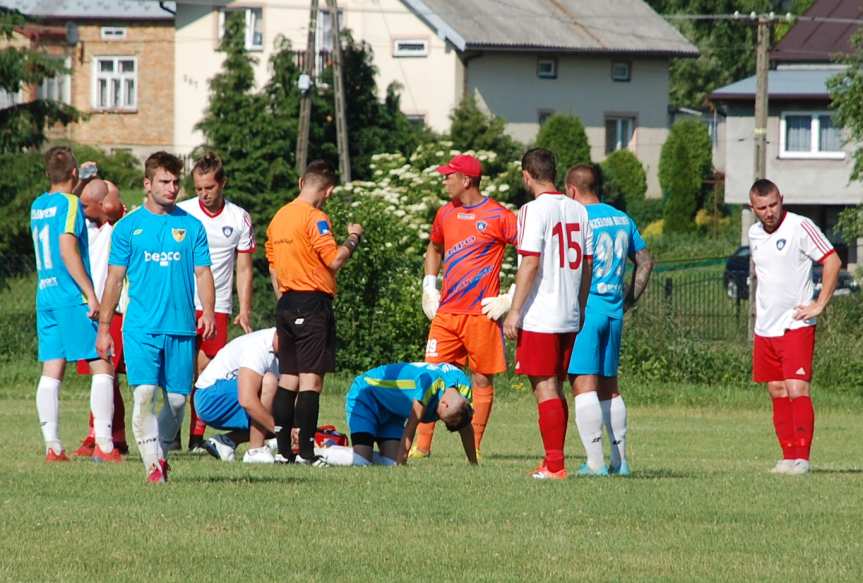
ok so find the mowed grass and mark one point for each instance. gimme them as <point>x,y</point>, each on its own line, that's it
<point>700,506</point>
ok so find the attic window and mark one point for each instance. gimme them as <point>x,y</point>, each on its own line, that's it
<point>621,71</point>
<point>113,32</point>
<point>410,48</point>
<point>546,68</point>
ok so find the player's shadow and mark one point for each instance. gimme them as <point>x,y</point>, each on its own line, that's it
<point>658,474</point>
<point>244,479</point>
<point>838,471</point>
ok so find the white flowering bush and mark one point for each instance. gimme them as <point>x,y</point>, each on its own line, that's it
<point>378,309</point>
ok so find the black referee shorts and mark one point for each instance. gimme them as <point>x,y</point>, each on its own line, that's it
<point>306,326</point>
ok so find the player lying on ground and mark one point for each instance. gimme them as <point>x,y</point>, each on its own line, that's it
<point>386,404</point>
<point>235,392</point>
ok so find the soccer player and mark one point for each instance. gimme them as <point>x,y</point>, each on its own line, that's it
<point>304,259</point>
<point>102,206</point>
<point>783,247</point>
<point>163,251</point>
<point>66,304</point>
<point>386,404</point>
<point>555,247</point>
<point>596,353</point>
<point>235,392</point>
<point>231,240</point>
<point>468,238</point>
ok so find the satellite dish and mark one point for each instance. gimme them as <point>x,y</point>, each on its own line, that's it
<point>71,33</point>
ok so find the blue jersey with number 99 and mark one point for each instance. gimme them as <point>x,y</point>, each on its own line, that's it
<point>615,238</point>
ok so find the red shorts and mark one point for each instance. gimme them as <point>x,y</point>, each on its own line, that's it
<point>543,354</point>
<point>216,343</point>
<point>787,357</point>
<point>117,334</point>
<point>470,339</point>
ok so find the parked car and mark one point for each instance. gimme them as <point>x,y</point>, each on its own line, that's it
<point>737,277</point>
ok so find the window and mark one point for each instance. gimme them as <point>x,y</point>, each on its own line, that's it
<point>546,68</point>
<point>115,83</point>
<point>809,135</point>
<point>621,71</point>
<point>543,114</point>
<point>254,26</point>
<point>619,132</point>
<point>325,40</point>
<point>417,119</point>
<point>410,48</point>
<point>57,88</point>
<point>113,32</point>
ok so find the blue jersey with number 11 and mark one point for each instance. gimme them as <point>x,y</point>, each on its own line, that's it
<point>52,215</point>
<point>615,238</point>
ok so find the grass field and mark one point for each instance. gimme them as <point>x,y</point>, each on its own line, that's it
<point>700,506</point>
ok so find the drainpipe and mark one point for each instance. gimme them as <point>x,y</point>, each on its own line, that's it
<point>166,9</point>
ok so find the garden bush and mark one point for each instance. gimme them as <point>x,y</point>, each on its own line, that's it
<point>624,181</point>
<point>565,136</point>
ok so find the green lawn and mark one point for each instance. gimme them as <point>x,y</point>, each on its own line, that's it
<point>700,506</point>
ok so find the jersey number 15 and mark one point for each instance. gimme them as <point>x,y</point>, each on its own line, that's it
<point>569,228</point>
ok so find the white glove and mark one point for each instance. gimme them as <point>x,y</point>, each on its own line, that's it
<point>497,306</point>
<point>431,296</point>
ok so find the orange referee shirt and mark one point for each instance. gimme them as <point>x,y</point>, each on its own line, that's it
<point>300,246</point>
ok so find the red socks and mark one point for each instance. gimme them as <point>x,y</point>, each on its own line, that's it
<point>197,428</point>
<point>794,421</point>
<point>783,423</point>
<point>804,425</point>
<point>552,428</point>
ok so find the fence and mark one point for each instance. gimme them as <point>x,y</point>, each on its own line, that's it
<point>694,303</point>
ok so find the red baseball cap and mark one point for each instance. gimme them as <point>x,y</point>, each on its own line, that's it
<point>463,164</point>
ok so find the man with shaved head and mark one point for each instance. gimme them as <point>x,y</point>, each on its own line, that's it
<point>102,207</point>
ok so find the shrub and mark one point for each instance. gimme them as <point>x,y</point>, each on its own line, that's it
<point>624,181</point>
<point>565,136</point>
<point>473,129</point>
<point>692,136</point>
<point>684,184</point>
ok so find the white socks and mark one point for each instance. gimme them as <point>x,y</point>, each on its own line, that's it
<point>170,418</point>
<point>614,419</point>
<point>102,407</point>
<point>588,420</point>
<point>145,426</point>
<point>337,455</point>
<point>48,408</point>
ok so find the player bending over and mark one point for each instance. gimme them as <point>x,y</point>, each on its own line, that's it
<point>386,404</point>
<point>235,393</point>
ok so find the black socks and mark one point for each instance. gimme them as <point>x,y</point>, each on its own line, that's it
<point>306,418</point>
<point>283,415</point>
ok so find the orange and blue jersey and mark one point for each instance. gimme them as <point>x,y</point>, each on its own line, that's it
<point>52,215</point>
<point>474,239</point>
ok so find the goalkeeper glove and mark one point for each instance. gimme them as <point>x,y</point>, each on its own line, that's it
<point>431,296</point>
<point>497,306</point>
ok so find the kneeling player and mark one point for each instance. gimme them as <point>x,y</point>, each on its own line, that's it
<point>386,404</point>
<point>235,392</point>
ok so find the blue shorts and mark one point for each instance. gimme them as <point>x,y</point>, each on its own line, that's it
<point>66,333</point>
<point>364,415</point>
<point>219,406</point>
<point>597,347</point>
<point>165,360</point>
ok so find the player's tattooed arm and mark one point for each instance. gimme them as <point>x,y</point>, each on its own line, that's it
<point>640,277</point>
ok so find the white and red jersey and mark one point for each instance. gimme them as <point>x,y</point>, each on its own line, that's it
<point>783,265</point>
<point>99,241</point>
<point>229,232</point>
<point>557,230</point>
<point>253,351</point>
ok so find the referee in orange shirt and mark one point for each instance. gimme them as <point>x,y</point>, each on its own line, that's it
<point>304,259</point>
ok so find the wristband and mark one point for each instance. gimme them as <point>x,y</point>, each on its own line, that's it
<point>430,282</point>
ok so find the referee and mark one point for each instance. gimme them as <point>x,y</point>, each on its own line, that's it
<point>304,258</point>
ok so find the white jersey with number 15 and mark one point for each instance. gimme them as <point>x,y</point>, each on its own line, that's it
<point>556,229</point>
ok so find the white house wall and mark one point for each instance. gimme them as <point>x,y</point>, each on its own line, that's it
<point>802,181</point>
<point>507,85</point>
<point>430,85</point>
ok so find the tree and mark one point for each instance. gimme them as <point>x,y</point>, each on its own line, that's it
<point>727,47</point>
<point>472,128</point>
<point>624,181</point>
<point>692,135</point>
<point>22,126</point>
<point>684,188</point>
<point>565,136</point>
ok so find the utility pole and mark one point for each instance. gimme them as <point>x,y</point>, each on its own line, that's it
<point>760,138</point>
<point>305,84</point>
<point>339,95</point>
